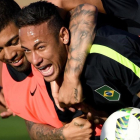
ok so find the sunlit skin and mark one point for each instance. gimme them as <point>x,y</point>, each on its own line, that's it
<point>43,49</point>
<point>10,48</point>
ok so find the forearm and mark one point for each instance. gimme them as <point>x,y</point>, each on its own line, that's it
<point>70,4</point>
<point>44,132</point>
<point>82,28</point>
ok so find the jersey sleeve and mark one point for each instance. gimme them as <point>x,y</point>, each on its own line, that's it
<point>124,9</point>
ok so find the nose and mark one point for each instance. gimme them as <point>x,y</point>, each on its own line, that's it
<point>9,53</point>
<point>36,59</point>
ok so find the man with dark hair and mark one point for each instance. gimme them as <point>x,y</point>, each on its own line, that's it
<point>25,91</point>
<point>18,61</point>
<point>10,51</point>
<point>111,72</point>
<point>122,14</point>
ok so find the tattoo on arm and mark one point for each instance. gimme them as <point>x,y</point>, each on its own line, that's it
<point>29,125</point>
<point>44,132</point>
<point>80,125</point>
<point>82,29</point>
<point>76,94</point>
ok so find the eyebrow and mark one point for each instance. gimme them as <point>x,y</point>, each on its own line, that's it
<point>23,47</point>
<point>9,42</point>
<point>35,45</point>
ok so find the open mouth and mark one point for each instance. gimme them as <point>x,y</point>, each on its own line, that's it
<point>46,70</point>
<point>17,62</point>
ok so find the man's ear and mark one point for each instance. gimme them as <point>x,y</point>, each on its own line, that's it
<point>64,35</point>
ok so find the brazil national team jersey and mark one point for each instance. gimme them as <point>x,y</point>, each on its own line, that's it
<point>111,76</point>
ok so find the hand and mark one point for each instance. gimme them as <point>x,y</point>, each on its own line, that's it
<point>55,93</point>
<point>8,112</point>
<point>78,129</point>
<point>95,116</point>
<point>70,92</point>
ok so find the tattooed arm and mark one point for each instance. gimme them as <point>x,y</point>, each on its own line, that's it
<point>78,129</point>
<point>82,29</point>
<point>68,5</point>
<point>44,132</point>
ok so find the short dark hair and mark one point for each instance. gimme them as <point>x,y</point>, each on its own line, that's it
<point>39,12</point>
<point>8,12</point>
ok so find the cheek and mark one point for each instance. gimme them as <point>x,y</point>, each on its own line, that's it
<point>18,47</point>
<point>62,57</point>
<point>28,57</point>
<point>2,59</point>
<point>48,53</point>
<point>20,52</point>
<point>2,54</point>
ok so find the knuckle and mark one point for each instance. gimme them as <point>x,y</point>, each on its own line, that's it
<point>89,124</point>
<point>60,98</point>
<point>90,130</point>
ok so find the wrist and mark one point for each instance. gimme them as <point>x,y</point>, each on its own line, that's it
<point>72,76</point>
<point>66,131</point>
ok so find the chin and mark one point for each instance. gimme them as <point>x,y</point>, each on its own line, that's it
<point>23,68</point>
<point>50,78</point>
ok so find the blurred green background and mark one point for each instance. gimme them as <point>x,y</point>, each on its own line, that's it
<point>13,128</point>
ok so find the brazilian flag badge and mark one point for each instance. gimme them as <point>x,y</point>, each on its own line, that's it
<point>108,93</point>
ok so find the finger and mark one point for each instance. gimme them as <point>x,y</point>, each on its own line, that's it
<point>80,119</point>
<point>83,107</point>
<point>57,104</point>
<point>71,109</point>
<point>14,114</point>
<point>55,88</point>
<point>55,91</point>
<point>60,108</point>
<point>63,105</point>
<point>6,114</point>
<point>89,116</point>
<point>100,120</point>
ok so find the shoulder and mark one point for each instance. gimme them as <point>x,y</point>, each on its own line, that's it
<point>125,9</point>
<point>110,36</point>
<point>16,75</point>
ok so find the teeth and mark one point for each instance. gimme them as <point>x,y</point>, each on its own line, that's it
<point>16,61</point>
<point>45,72</point>
<point>42,68</point>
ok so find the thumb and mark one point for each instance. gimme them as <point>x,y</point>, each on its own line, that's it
<point>55,91</point>
<point>57,104</point>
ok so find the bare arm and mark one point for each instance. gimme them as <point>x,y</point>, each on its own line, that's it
<point>44,132</point>
<point>82,29</point>
<point>78,129</point>
<point>70,4</point>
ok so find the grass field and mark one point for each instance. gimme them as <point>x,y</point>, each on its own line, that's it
<point>13,128</point>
